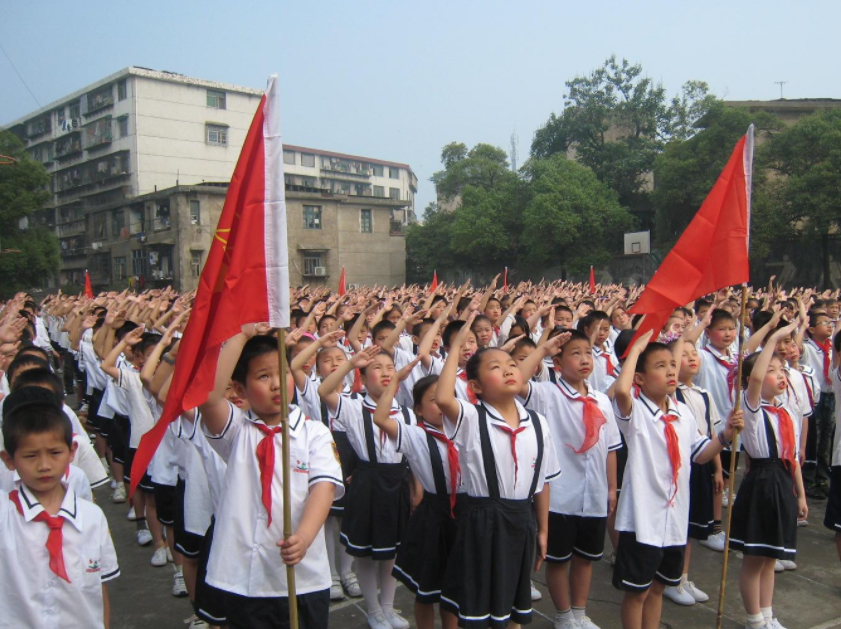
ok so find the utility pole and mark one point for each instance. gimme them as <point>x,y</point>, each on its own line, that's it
<point>781,83</point>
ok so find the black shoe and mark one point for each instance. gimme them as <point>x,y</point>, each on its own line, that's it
<point>815,493</point>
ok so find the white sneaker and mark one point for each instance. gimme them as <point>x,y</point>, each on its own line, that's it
<point>714,542</point>
<point>699,595</point>
<point>144,537</point>
<point>336,592</point>
<point>396,620</point>
<point>179,588</point>
<point>802,522</point>
<point>131,516</point>
<point>788,565</point>
<point>612,558</point>
<point>725,498</point>
<point>535,593</point>
<point>113,482</point>
<point>378,621</point>
<point>351,585</point>
<point>679,595</point>
<point>585,623</point>
<point>169,556</point>
<point>159,557</point>
<point>119,494</point>
<point>778,566</point>
<point>194,622</point>
<point>775,624</point>
<point>570,623</point>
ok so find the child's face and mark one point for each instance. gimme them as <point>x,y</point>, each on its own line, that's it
<point>428,410</point>
<point>784,346</point>
<point>41,459</point>
<point>563,318</point>
<point>233,397</point>
<point>793,354</point>
<point>620,319</point>
<point>603,332</point>
<point>300,346</point>
<point>833,309</point>
<point>340,311</point>
<point>528,310</point>
<point>324,326</point>
<point>262,385</point>
<point>139,358</point>
<point>775,380</point>
<point>822,329</point>
<point>468,349</point>
<point>675,325</point>
<point>575,361</point>
<point>437,309</point>
<point>689,362</point>
<point>381,336</point>
<point>521,354</point>
<point>329,360</point>
<point>660,376</point>
<point>378,374</point>
<point>484,333</point>
<point>702,311</point>
<point>363,333</point>
<point>515,331</point>
<point>493,311</point>
<point>722,334</point>
<point>499,376</point>
<point>394,316</point>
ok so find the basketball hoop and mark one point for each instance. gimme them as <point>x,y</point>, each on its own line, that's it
<point>5,160</point>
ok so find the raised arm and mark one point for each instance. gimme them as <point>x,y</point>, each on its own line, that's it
<point>109,364</point>
<point>328,391</point>
<point>297,364</point>
<point>353,335</point>
<point>382,417</point>
<point>533,360</point>
<point>753,394</point>
<point>759,335</point>
<point>489,291</point>
<point>445,393</point>
<point>623,387</point>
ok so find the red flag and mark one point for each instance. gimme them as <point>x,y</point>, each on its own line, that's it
<point>712,252</point>
<point>88,287</point>
<point>434,280</point>
<point>245,278</point>
<point>505,280</point>
<point>592,280</point>
<point>342,283</point>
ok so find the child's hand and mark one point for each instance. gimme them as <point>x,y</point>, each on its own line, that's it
<point>332,337</point>
<point>406,371</point>
<point>365,357</point>
<point>611,501</point>
<point>294,336</point>
<point>540,555</point>
<point>783,332</point>
<point>89,322</point>
<point>133,338</point>
<point>718,482</point>
<point>461,337</point>
<point>293,550</point>
<point>735,424</point>
<point>641,342</point>
<point>554,345</point>
<point>802,508</point>
<point>509,345</point>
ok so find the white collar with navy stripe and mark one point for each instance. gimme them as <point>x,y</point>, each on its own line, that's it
<point>296,419</point>
<point>371,405</point>
<point>572,393</point>
<point>496,416</point>
<point>31,507</point>
<point>655,411</point>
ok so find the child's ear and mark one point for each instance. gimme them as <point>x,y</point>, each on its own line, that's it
<point>8,460</point>
<point>239,389</point>
<point>73,447</point>
<point>474,386</point>
<point>639,379</point>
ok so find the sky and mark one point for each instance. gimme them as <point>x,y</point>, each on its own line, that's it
<point>399,80</point>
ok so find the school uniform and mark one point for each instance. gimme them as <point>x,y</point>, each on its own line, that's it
<point>579,496</point>
<point>378,504</point>
<point>487,583</point>
<point>604,369</point>
<point>34,596</point>
<point>653,512</point>
<point>832,517</point>
<point>141,420</point>
<point>764,520</point>
<point>422,558</point>
<point>822,423</point>
<point>248,566</point>
<point>701,490</point>
<point>718,376</point>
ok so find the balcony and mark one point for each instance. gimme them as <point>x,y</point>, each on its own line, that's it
<point>97,134</point>
<point>68,146</point>
<point>37,128</point>
<point>73,247</point>
<point>396,228</point>
<point>72,228</point>
<point>97,101</point>
<point>347,175</point>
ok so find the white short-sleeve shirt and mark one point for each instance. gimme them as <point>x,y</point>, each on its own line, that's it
<point>600,377</point>
<point>32,595</point>
<point>139,412</point>
<point>700,403</point>
<point>813,356</point>
<point>649,506</point>
<point>415,446</point>
<point>582,488</point>
<point>248,563</point>
<point>836,388</point>
<point>349,418</point>
<point>713,377</point>
<point>754,437</point>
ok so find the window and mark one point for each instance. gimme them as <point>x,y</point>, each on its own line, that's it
<point>99,220</point>
<point>122,90</point>
<point>216,99</point>
<point>120,268</point>
<point>379,191</point>
<point>118,222</point>
<point>308,160</point>
<point>366,221</point>
<point>195,212</point>
<point>138,262</point>
<point>289,157</point>
<point>74,111</point>
<point>394,193</point>
<point>122,125</point>
<point>378,170</point>
<point>217,134</point>
<point>312,217</point>
<point>312,262</point>
<point>195,262</point>
<point>162,216</point>
<point>394,173</point>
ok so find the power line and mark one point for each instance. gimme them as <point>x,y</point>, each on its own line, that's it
<point>11,63</point>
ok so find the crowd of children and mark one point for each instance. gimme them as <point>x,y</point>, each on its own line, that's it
<point>450,439</point>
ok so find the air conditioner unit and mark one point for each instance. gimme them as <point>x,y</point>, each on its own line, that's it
<point>320,271</point>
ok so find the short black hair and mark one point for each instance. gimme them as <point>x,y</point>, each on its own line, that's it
<point>34,350</point>
<point>760,318</point>
<point>147,340</point>
<point>254,347</point>
<point>24,360</point>
<point>421,387</point>
<point>750,361</point>
<point>124,329</point>
<point>385,324</point>
<point>594,316</point>
<point>450,331</point>
<point>40,377</point>
<point>720,314</point>
<point>574,335</point>
<point>523,342</point>
<point>642,361</point>
<point>33,410</point>
<point>621,343</point>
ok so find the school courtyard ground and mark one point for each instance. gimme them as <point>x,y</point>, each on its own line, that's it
<point>807,598</point>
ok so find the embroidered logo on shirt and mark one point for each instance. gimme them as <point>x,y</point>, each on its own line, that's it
<point>302,467</point>
<point>534,463</point>
<point>93,566</point>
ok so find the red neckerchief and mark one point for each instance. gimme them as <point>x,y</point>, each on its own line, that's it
<point>809,393</point>
<point>611,370</point>
<point>265,459</point>
<point>673,446</point>
<point>512,434</point>
<point>593,419</point>
<point>452,461</point>
<point>786,427</point>
<point>55,539</point>
<point>391,413</point>
<point>826,348</point>
<point>471,396</point>
<point>732,369</point>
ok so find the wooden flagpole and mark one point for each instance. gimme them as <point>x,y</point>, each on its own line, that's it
<point>287,504</point>
<point>734,449</point>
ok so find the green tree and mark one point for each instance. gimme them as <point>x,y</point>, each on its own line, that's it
<point>805,186</point>
<point>686,171</point>
<point>615,121</point>
<point>483,166</point>
<point>23,192</point>
<point>571,218</point>
<point>427,245</point>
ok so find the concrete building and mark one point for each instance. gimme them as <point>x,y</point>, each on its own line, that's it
<point>162,238</point>
<point>354,176</point>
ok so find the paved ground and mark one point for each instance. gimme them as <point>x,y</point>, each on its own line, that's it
<point>808,598</point>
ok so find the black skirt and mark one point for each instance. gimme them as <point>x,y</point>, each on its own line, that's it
<point>487,583</point>
<point>349,461</point>
<point>765,512</point>
<point>701,501</point>
<point>422,559</point>
<point>377,511</point>
<point>832,518</point>
<point>210,601</point>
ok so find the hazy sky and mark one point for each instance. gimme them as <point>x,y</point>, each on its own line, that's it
<point>398,80</point>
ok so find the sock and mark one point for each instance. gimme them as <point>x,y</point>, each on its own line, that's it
<point>684,579</point>
<point>767,614</point>
<point>345,562</point>
<point>330,539</point>
<point>141,524</point>
<point>567,615</point>
<point>366,573</point>
<point>716,527</point>
<point>756,621</point>
<point>579,612</point>
<point>388,585</point>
